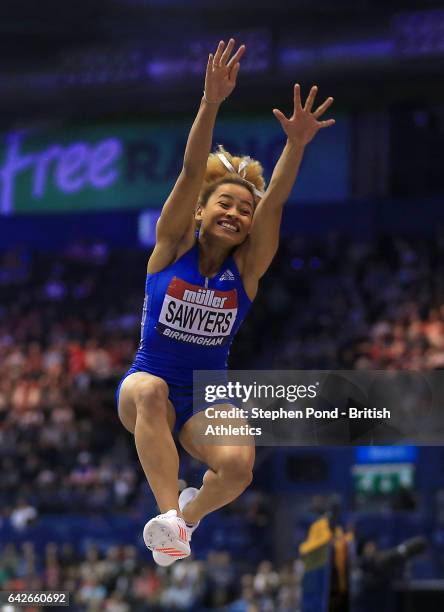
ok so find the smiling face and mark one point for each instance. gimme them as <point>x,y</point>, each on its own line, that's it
<point>228,213</point>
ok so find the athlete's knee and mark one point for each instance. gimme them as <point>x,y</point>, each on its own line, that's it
<point>151,397</point>
<point>236,465</point>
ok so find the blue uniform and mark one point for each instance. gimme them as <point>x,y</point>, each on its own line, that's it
<point>188,323</point>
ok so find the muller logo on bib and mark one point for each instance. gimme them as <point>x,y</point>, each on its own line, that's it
<point>207,297</point>
<point>196,315</point>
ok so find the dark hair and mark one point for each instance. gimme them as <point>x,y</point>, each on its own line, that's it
<point>231,180</point>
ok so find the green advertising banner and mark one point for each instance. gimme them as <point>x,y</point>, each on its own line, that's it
<point>134,165</point>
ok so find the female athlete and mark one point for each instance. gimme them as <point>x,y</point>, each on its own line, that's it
<point>199,288</point>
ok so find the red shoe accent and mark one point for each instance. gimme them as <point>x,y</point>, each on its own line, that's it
<point>172,552</point>
<point>182,534</point>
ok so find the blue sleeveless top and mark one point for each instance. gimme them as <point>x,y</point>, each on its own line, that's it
<point>189,320</point>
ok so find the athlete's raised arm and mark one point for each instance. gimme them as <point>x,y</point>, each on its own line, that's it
<point>300,128</point>
<point>220,80</point>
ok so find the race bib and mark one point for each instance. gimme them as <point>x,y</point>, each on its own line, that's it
<point>196,315</point>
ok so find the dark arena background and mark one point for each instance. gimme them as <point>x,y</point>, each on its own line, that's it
<point>358,283</point>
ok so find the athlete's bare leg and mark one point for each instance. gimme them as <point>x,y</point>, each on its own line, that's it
<point>145,411</point>
<point>229,474</point>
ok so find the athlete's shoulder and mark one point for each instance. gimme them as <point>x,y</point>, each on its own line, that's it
<point>166,253</point>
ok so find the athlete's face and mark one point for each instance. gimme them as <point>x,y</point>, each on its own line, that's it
<point>228,213</point>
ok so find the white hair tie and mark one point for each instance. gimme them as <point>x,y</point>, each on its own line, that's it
<point>245,162</point>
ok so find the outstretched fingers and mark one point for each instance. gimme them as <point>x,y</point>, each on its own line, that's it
<point>222,55</point>
<point>323,107</point>
<point>218,54</point>
<point>236,57</point>
<point>226,54</point>
<point>297,98</point>
<point>311,98</point>
<point>234,72</point>
<point>280,116</point>
<point>328,123</point>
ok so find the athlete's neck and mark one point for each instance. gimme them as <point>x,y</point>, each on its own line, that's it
<point>211,256</point>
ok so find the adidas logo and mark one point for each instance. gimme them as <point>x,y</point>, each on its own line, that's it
<point>227,275</point>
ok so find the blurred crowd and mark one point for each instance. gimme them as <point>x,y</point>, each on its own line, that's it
<point>374,305</point>
<point>120,581</point>
<point>68,330</point>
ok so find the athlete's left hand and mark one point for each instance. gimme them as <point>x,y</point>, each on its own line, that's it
<point>303,125</point>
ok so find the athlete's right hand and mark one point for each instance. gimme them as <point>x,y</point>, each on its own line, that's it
<point>220,78</point>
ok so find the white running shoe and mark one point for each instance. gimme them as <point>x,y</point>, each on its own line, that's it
<point>163,559</point>
<point>184,498</point>
<point>166,535</point>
